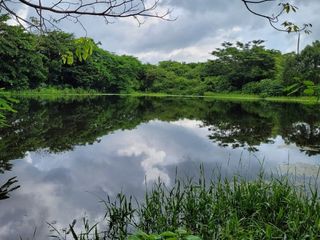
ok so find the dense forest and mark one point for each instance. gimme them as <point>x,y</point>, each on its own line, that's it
<point>33,60</point>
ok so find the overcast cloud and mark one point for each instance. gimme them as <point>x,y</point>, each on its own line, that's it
<point>201,26</point>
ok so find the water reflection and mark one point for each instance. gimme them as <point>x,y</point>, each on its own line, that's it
<point>66,154</point>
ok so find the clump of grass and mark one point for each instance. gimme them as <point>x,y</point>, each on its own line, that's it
<point>179,234</point>
<point>272,208</point>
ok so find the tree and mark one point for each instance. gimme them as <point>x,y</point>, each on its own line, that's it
<point>301,72</point>
<point>310,61</point>
<point>243,63</point>
<point>19,57</point>
<point>305,66</point>
<point>49,13</point>
<point>103,71</point>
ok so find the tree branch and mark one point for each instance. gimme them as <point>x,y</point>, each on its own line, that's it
<point>51,13</point>
<point>274,18</point>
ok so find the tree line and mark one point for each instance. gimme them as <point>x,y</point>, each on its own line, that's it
<point>54,59</point>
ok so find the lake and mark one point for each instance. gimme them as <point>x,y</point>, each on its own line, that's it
<point>68,154</point>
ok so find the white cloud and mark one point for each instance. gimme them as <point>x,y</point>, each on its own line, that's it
<point>28,157</point>
<point>151,160</point>
<point>193,124</point>
<point>23,12</point>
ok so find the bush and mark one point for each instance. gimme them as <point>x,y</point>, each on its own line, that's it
<point>266,87</point>
<point>217,84</point>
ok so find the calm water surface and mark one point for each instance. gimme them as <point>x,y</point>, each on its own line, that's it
<point>68,154</point>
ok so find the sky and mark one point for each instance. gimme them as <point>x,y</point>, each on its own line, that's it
<point>199,28</point>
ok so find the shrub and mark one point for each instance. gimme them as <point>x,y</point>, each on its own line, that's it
<point>265,87</point>
<point>217,84</point>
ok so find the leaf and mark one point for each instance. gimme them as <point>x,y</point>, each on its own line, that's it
<point>308,91</point>
<point>134,237</point>
<point>70,60</point>
<point>291,87</point>
<point>168,234</point>
<point>308,83</point>
<point>181,231</point>
<point>154,237</point>
<point>192,237</point>
<point>294,91</point>
<point>141,234</point>
<point>74,235</point>
<point>85,55</point>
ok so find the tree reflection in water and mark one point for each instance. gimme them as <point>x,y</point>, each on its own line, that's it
<point>57,126</point>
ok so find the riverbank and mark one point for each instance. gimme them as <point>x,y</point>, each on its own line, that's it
<point>55,93</point>
<point>52,93</point>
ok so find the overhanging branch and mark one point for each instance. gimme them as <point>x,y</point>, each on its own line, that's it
<point>274,19</point>
<point>52,12</point>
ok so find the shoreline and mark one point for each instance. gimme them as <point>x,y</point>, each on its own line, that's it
<point>70,93</point>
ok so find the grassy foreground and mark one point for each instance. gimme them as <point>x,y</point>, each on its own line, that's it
<point>55,93</point>
<point>272,208</point>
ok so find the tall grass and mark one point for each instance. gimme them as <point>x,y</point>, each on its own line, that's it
<point>264,208</point>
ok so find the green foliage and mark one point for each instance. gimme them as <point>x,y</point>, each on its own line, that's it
<point>172,78</point>
<point>265,87</point>
<point>58,59</point>
<point>53,46</point>
<point>307,87</point>
<point>5,106</point>
<point>216,208</point>
<point>291,70</point>
<point>53,93</point>
<point>83,49</point>
<point>297,68</point>
<point>243,62</point>
<point>21,64</point>
<point>180,234</point>
<point>216,84</point>
<point>237,209</point>
<point>310,62</point>
<point>105,72</point>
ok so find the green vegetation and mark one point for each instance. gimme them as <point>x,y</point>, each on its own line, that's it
<point>6,103</point>
<point>52,93</point>
<point>215,208</point>
<point>180,234</point>
<point>57,60</point>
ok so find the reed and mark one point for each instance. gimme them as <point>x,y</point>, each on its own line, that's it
<point>265,208</point>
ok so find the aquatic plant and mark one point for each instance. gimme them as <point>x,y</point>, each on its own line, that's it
<point>264,208</point>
